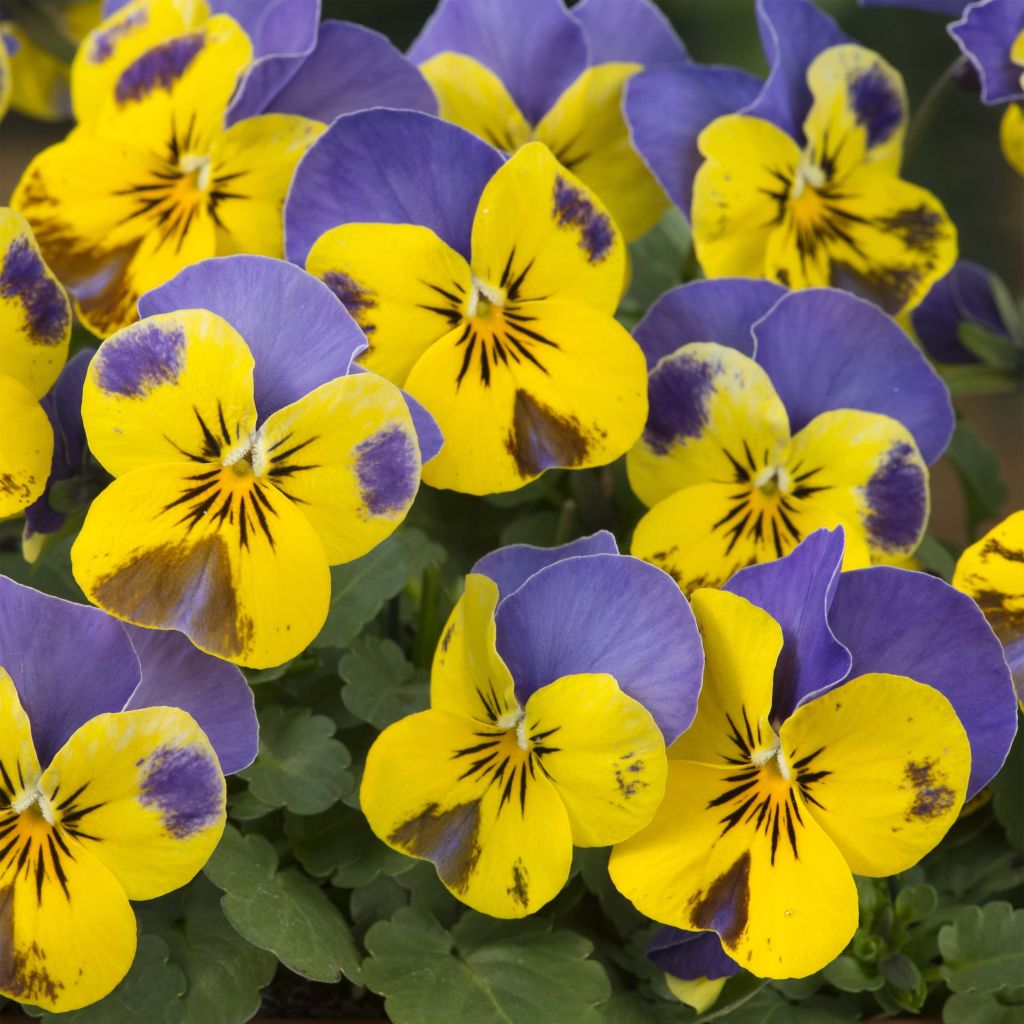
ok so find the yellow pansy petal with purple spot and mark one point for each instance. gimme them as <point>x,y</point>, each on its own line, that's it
<point>26,447</point>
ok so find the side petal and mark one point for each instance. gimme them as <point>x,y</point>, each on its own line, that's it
<point>248,582</point>
<point>347,455</point>
<point>1011,136</point>
<point>35,315</point>
<point>403,286</point>
<point>911,624</point>
<point>175,386</point>
<point>214,693</point>
<point>496,830</point>
<point>587,132</point>
<point>985,34</point>
<point>604,753</point>
<point>887,763</point>
<point>26,448</point>
<point>606,614</point>
<point>377,166</point>
<point>539,219</point>
<point>143,792</point>
<point>691,956</point>
<point>633,30</point>
<point>19,763</point>
<point>822,349</point>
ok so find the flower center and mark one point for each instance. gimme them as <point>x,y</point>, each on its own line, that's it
<point>809,174</point>
<point>34,802</point>
<point>197,167</point>
<point>769,753</point>
<point>516,720</point>
<point>773,480</point>
<point>484,299</point>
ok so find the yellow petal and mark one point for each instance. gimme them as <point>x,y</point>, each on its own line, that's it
<point>1011,136</point>
<point>698,993</point>
<point>26,447</point>
<point>19,765</point>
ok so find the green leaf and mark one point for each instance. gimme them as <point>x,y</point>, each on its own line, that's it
<point>935,555</point>
<point>1006,1007</point>
<point>299,766</point>
<point>901,972</point>
<point>360,588</point>
<point>1007,307</point>
<point>992,349</point>
<point>983,948</point>
<point>916,903</point>
<point>284,912</point>
<point>979,380</point>
<point>978,469</point>
<point>483,972</point>
<point>848,974</point>
<point>150,993</point>
<point>1008,794</point>
<point>381,686</point>
<point>657,261</point>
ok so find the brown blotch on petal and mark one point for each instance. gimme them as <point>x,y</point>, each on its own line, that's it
<point>540,438</point>
<point>22,973</point>
<point>519,889</point>
<point>450,839</point>
<point>888,287</point>
<point>919,227</point>
<point>725,907</point>
<point>932,798</point>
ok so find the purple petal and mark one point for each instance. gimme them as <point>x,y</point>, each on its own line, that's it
<point>512,566</point>
<point>723,310</point>
<point>667,108</point>
<point>629,30</point>
<point>949,8</point>
<point>536,49</point>
<point>300,335</point>
<point>797,592</point>
<point>911,624</point>
<point>793,33</point>
<point>826,349</point>
<point>606,613</point>
<point>985,34</point>
<point>964,295</point>
<point>690,955</point>
<point>63,407</point>
<point>176,674</point>
<point>68,661</point>
<point>380,166</point>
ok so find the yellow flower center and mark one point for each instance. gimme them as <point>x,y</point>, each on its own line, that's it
<point>196,168</point>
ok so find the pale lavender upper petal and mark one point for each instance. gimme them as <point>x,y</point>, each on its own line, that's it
<point>690,955</point>
<point>274,26</point>
<point>381,166</point>
<point>510,567</point>
<point>612,614</point>
<point>722,310</point>
<point>668,107</point>
<point>964,295</point>
<point>69,662</point>
<point>911,624</point>
<point>826,349</point>
<point>793,33</point>
<point>351,68</point>
<point>797,592</point>
<point>213,692</point>
<point>949,8</point>
<point>985,33</point>
<point>300,335</point>
<point>629,30</point>
<point>537,49</point>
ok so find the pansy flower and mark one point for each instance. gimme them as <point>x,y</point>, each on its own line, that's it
<point>113,745</point>
<point>695,965</point>
<point>156,182</point>
<point>843,720</point>
<point>513,73</point>
<point>241,471</point>
<point>992,572</point>
<point>486,291</point>
<point>769,419</point>
<point>559,678</point>
<point>35,329</point>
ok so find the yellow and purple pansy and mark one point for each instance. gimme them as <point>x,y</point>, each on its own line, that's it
<point>695,965</point>
<point>241,472</point>
<point>487,292</point>
<point>35,331</point>
<point>992,572</point>
<point>114,743</point>
<point>559,679</point>
<point>843,720</point>
<point>768,420</point>
<point>513,73</point>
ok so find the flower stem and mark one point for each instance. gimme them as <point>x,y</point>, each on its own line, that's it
<point>930,105</point>
<point>427,625</point>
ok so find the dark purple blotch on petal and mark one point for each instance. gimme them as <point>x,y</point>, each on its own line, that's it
<point>574,209</point>
<point>877,105</point>
<point>103,43</point>
<point>158,68</point>
<point>678,391</point>
<point>725,906</point>
<point>142,358</point>
<point>185,785</point>
<point>388,468</point>
<point>898,497</point>
<point>24,278</point>
<point>356,298</point>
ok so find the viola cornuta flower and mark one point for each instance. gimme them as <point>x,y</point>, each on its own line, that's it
<point>559,678</point>
<point>695,965</point>
<point>35,329</point>
<point>487,292</point>
<point>241,472</point>
<point>992,572</point>
<point>843,720</point>
<point>768,420</point>
<point>113,748</point>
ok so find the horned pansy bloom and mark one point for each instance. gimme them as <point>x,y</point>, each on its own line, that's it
<point>560,677</point>
<point>241,472</point>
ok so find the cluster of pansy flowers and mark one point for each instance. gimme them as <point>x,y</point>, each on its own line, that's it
<point>453,225</point>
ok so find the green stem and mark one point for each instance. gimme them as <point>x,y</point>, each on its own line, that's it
<point>563,532</point>
<point>428,626</point>
<point>930,105</point>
